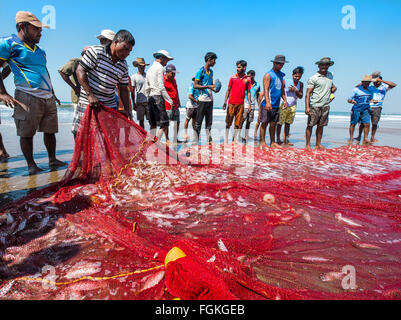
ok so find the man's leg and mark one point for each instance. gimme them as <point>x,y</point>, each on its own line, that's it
<point>351,134</point>
<point>279,133</point>
<point>287,134</point>
<point>49,140</point>
<point>199,120</point>
<point>263,128</point>
<point>27,150</point>
<point>3,152</point>
<point>366,129</point>
<point>272,132</point>
<point>209,120</point>
<point>308,135</point>
<point>360,132</point>
<point>319,135</point>
<point>373,137</point>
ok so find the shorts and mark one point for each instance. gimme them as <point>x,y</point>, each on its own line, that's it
<point>141,110</point>
<point>234,111</point>
<point>269,116</point>
<point>157,114</point>
<point>191,113</point>
<point>362,116</point>
<point>319,116</point>
<point>376,113</point>
<point>287,115</point>
<point>248,116</point>
<point>174,115</point>
<point>78,115</point>
<point>41,115</point>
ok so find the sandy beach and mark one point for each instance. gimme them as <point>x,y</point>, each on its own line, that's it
<point>16,183</point>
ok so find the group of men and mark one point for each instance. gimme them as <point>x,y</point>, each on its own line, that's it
<point>100,77</point>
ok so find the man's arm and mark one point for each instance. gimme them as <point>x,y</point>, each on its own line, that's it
<point>133,94</point>
<point>124,95</point>
<point>283,95</point>
<point>391,85</point>
<point>307,100</point>
<point>4,96</point>
<point>266,87</point>
<point>83,81</point>
<point>249,100</point>
<point>333,88</point>
<point>160,84</point>
<point>300,93</point>
<point>226,98</point>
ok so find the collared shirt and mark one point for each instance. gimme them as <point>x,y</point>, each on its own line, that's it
<point>205,78</point>
<point>255,91</point>
<point>155,82</point>
<point>379,94</point>
<point>70,69</point>
<point>239,86</point>
<point>103,75</point>
<point>276,84</point>
<point>362,97</point>
<point>139,82</point>
<point>195,93</point>
<point>172,90</point>
<point>321,86</point>
<point>28,65</point>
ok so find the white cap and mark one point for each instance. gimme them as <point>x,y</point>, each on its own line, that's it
<point>108,34</point>
<point>163,53</point>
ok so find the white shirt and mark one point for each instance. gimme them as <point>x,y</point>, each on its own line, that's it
<point>139,82</point>
<point>155,82</point>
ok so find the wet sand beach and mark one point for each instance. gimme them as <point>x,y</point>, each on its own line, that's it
<point>16,183</point>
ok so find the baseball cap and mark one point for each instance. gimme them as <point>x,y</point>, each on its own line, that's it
<point>171,68</point>
<point>107,34</point>
<point>26,16</point>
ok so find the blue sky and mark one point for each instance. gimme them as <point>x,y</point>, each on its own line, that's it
<point>255,31</point>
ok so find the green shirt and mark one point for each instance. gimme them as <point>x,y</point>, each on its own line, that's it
<point>321,86</point>
<point>70,69</point>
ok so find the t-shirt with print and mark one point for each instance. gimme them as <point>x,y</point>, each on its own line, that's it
<point>205,78</point>
<point>28,66</point>
<point>239,86</point>
<point>103,75</point>
<point>379,94</point>
<point>362,97</point>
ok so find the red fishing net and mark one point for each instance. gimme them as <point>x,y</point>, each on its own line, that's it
<point>133,219</point>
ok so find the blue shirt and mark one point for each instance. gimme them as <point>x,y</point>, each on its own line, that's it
<point>362,97</point>
<point>255,90</point>
<point>276,84</point>
<point>379,94</point>
<point>205,79</point>
<point>193,91</point>
<point>28,65</point>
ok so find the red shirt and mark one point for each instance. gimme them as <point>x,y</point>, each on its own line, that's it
<point>239,86</point>
<point>172,90</point>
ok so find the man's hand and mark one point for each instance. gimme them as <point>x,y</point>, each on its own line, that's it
<point>285,105</point>
<point>354,102</point>
<point>77,90</point>
<point>93,101</point>
<point>293,89</point>
<point>268,106</point>
<point>212,87</point>
<point>224,106</point>
<point>57,100</point>
<point>307,111</point>
<point>8,100</point>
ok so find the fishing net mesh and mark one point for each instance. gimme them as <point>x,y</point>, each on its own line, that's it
<point>133,219</point>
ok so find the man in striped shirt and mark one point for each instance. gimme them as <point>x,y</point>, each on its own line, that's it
<point>101,69</point>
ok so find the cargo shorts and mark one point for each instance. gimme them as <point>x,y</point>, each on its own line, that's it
<point>41,115</point>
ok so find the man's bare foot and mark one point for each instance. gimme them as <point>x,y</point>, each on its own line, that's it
<point>57,163</point>
<point>366,143</point>
<point>34,169</point>
<point>263,145</point>
<point>357,139</point>
<point>351,142</point>
<point>289,144</point>
<point>374,140</point>
<point>274,145</point>
<point>308,147</point>
<point>279,142</point>
<point>320,147</point>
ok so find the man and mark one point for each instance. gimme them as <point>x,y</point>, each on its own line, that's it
<point>248,117</point>
<point>100,71</point>
<point>274,91</point>
<point>4,156</point>
<point>157,95</point>
<point>106,37</point>
<point>294,92</point>
<point>191,108</point>
<point>379,89</point>
<point>317,101</point>
<point>69,74</point>
<point>173,111</point>
<point>238,86</point>
<point>138,80</point>
<point>204,83</point>
<point>361,98</point>
<point>35,103</point>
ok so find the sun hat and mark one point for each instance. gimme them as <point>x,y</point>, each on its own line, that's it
<point>26,16</point>
<point>162,53</point>
<point>367,78</point>
<point>279,59</point>
<point>325,60</point>
<point>171,68</point>
<point>139,62</point>
<point>376,74</point>
<point>106,34</point>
